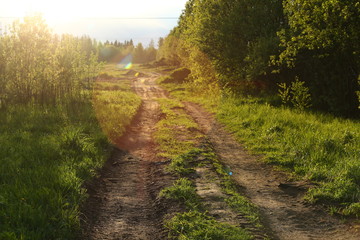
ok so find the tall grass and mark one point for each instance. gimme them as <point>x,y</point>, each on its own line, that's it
<point>320,148</point>
<point>316,147</point>
<point>115,110</point>
<point>114,102</point>
<point>45,156</point>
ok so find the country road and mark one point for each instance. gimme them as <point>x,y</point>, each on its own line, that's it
<point>124,202</point>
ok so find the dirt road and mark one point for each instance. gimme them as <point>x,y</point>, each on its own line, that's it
<point>280,202</point>
<point>123,201</point>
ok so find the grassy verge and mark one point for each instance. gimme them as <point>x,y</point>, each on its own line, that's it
<point>114,102</point>
<point>186,154</point>
<point>320,148</point>
<point>47,153</point>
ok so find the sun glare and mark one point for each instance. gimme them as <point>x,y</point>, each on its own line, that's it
<point>66,10</point>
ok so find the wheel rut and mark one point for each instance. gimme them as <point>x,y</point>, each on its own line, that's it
<point>123,201</point>
<point>284,212</point>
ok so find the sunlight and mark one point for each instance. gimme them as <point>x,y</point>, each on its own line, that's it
<point>65,10</point>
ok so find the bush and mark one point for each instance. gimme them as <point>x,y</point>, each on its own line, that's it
<point>177,76</point>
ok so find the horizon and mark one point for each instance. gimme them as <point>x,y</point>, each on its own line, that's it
<point>138,20</point>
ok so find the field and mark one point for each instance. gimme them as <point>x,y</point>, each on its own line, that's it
<point>47,153</point>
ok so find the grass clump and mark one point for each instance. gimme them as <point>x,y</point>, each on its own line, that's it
<point>183,190</point>
<point>197,225</point>
<point>184,163</point>
<point>176,132</point>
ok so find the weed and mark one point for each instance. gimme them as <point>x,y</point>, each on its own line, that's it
<point>197,225</point>
<point>183,190</point>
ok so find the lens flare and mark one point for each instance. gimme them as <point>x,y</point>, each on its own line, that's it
<point>126,62</point>
<point>128,66</point>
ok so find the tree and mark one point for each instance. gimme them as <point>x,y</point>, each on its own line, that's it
<point>160,42</point>
<point>322,45</point>
<point>236,37</point>
<point>39,67</point>
<point>139,54</point>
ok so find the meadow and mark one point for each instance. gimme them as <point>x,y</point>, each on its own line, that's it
<point>47,153</point>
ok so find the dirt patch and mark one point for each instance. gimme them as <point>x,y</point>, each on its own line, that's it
<point>280,202</point>
<point>123,202</point>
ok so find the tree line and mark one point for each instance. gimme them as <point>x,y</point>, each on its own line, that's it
<point>116,51</point>
<point>253,46</point>
<point>38,66</point>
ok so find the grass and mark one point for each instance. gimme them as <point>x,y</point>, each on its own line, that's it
<point>316,147</point>
<point>115,110</point>
<point>114,102</point>
<point>48,152</point>
<point>184,137</point>
<point>176,133</point>
<point>320,148</point>
<point>196,223</point>
<point>183,190</point>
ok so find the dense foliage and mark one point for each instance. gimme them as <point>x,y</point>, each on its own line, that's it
<point>251,46</point>
<point>38,66</point>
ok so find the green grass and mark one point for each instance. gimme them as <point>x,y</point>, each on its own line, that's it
<point>312,146</point>
<point>48,153</point>
<point>320,148</point>
<point>176,133</point>
<point>179,138</point>
<point>114,102</point>
<point>184,164</point>
<point>115,110</point>
<point>184,191</point>
<point>195,225</point>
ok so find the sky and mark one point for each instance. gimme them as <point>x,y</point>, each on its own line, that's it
<point>140,20</point>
